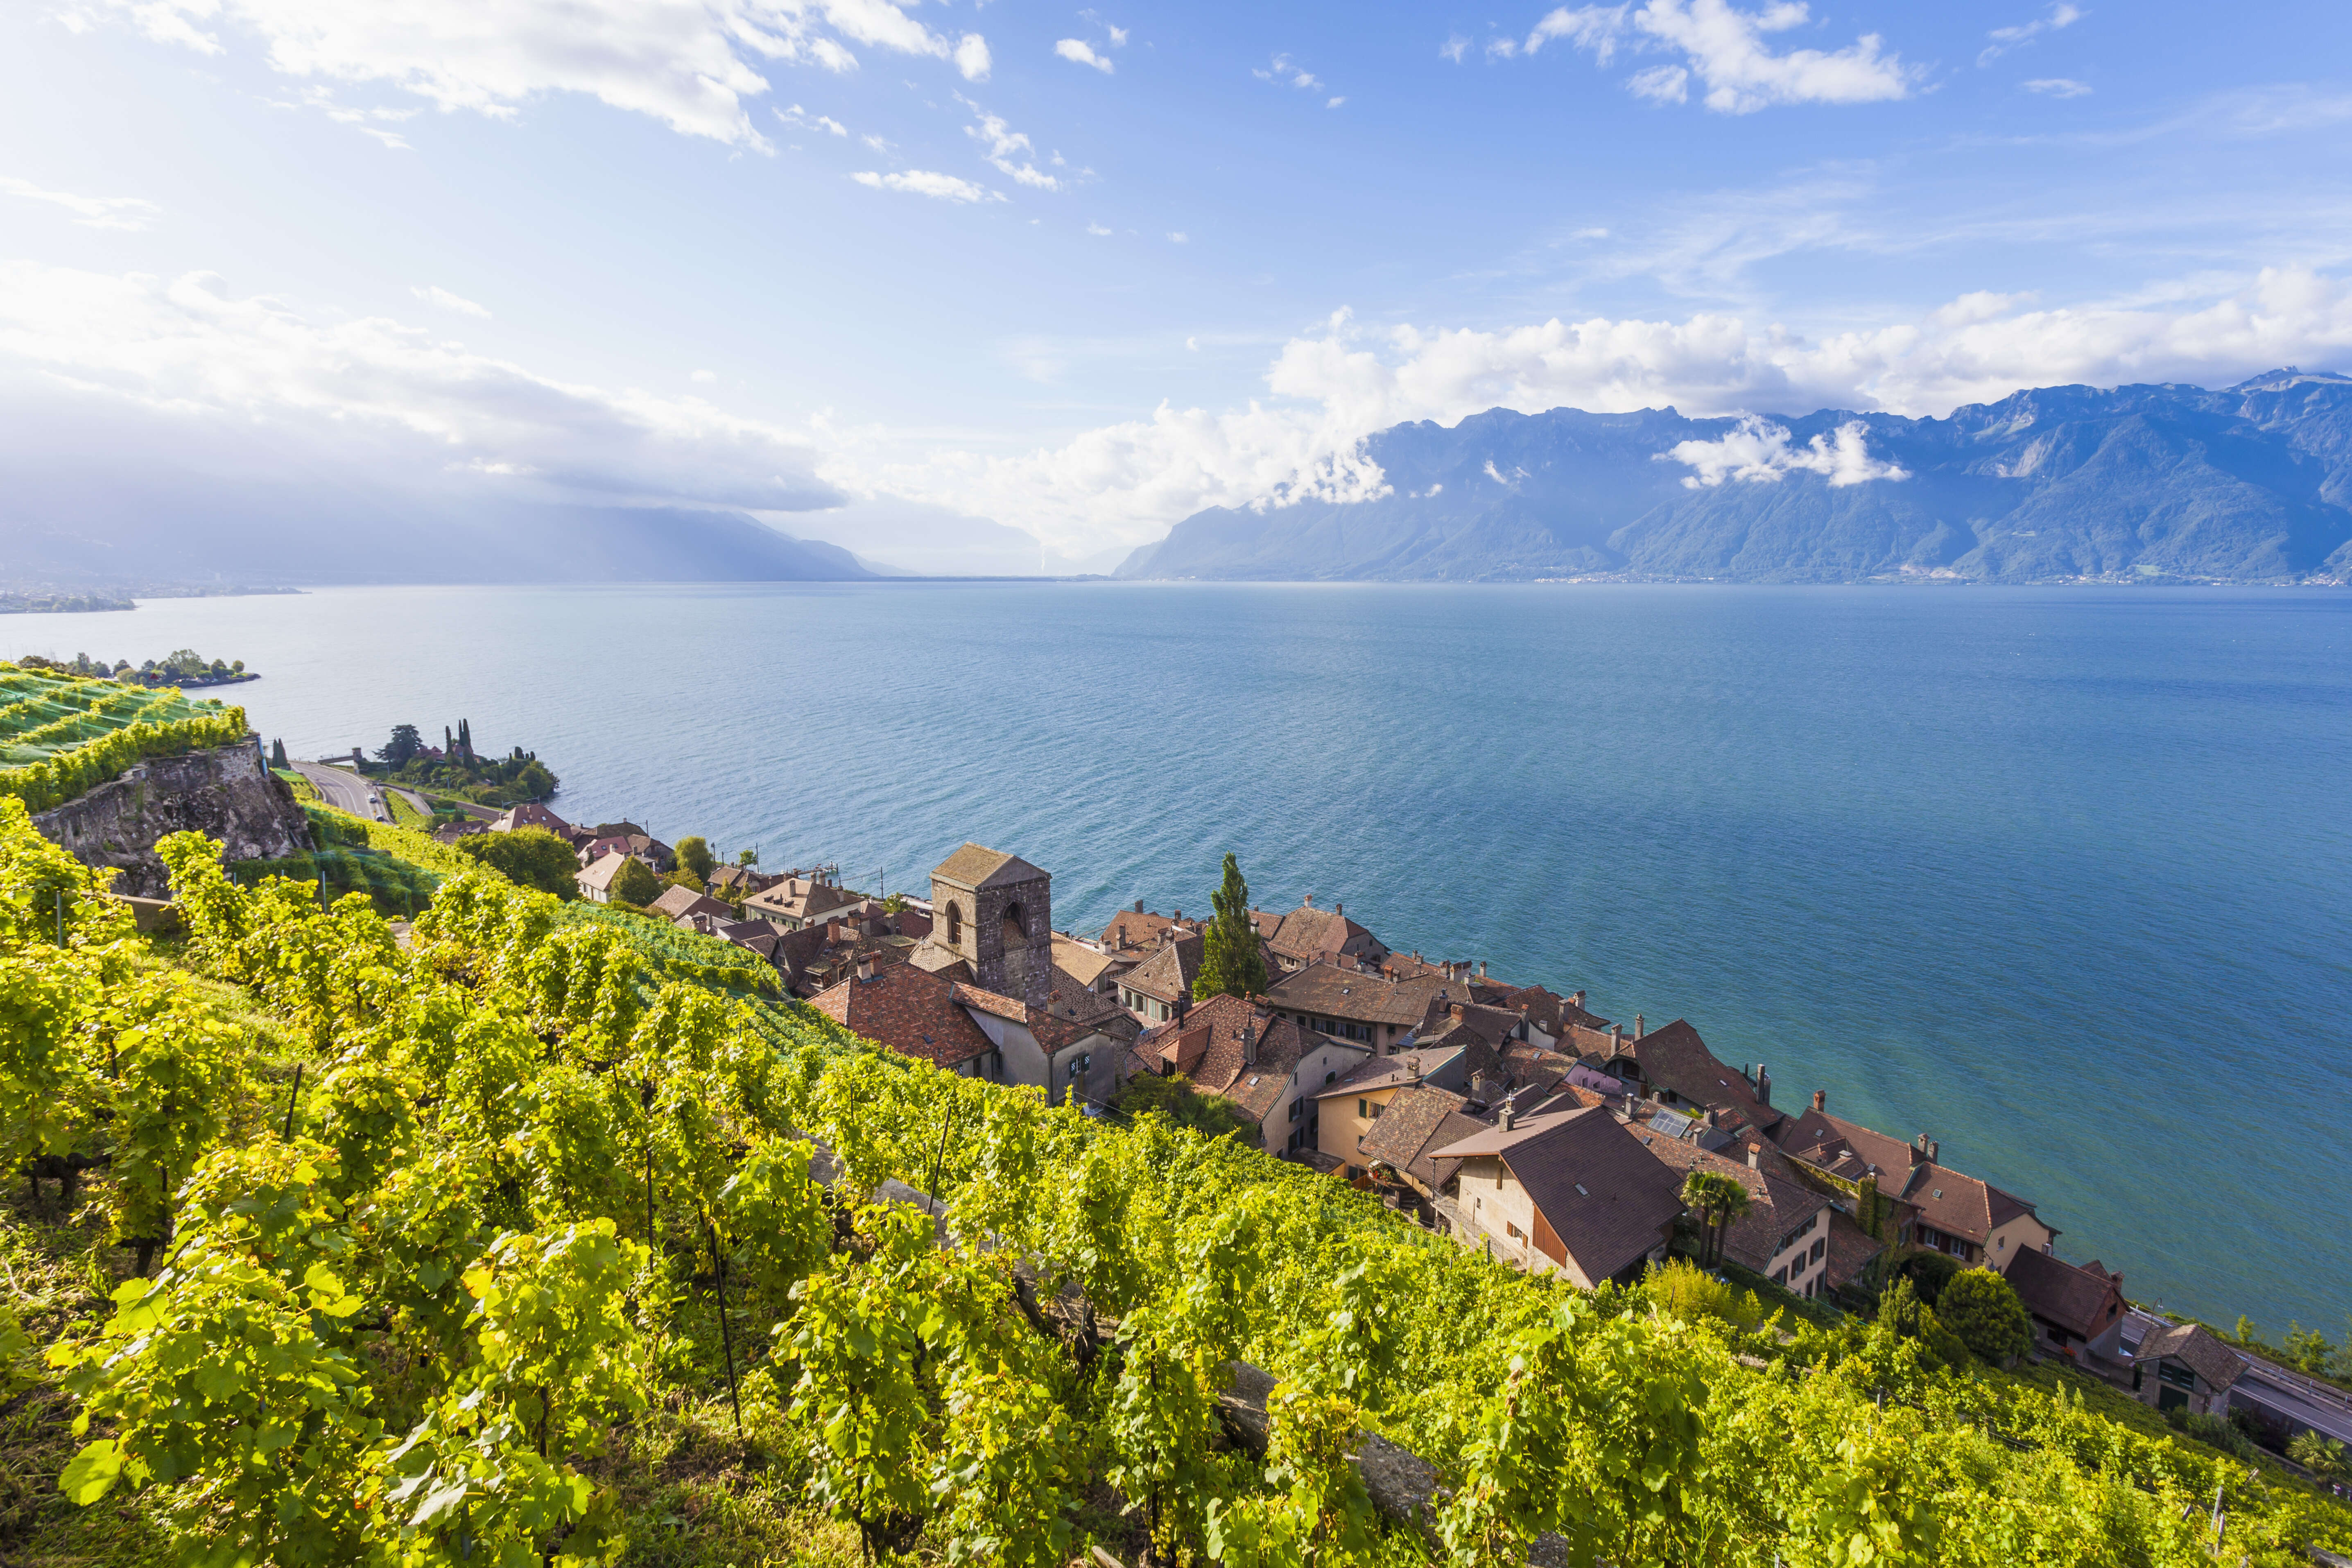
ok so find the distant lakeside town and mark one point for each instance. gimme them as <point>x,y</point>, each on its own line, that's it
<point>1505,1115</point>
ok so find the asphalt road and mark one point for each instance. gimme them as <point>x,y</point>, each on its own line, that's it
<point>346,791</point>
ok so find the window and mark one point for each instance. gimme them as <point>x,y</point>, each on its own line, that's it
<point>1015,929</point>
<point>1780,1276</point>
<point>1376,1111</point>
<point>1513,1231</point>
<point>955,923</point>
<point>1363,1111</point>
<point>1294,1106</point>
<point>1819,1248</point>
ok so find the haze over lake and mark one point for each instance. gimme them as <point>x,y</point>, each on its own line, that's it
<point>2060,877</point>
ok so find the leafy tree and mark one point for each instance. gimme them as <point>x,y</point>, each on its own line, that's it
<point>2245,1333</point>
<point>635,884</point>
<point>1929,1272</point>
<point>1982,1308</point>
<point>405,743</point>
<point>694,855</point>
<point>532,857</point>
<point>1231,963</point>
<point>1175,1099</point>
<point>2321,1455</point>
<point>534,780</point>
<point>747,858</point>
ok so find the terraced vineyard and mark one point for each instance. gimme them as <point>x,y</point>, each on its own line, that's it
<point>63,734</point>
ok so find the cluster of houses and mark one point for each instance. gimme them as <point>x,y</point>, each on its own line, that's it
<point>1508,1116</point>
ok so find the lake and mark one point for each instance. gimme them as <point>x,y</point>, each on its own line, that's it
<point>2062,877</point>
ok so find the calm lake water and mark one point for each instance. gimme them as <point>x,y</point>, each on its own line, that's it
<point>2061,877</point>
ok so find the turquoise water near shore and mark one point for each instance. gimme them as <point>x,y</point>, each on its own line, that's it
<point>2062,877</point>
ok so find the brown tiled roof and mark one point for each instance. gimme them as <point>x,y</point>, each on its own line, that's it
<point>1676,1058</point>
<point>747,880</point>
<point>530,813</point>
<point>1326,990</point>
<point>1308,935</point>
<point>1414,1121</point>
<point>2082,1300</point>
<point>1851,1249</point>
<point>911,923</point>
<point>1082,964</point>
<point>1170,972</point>
<point>1951,1200</point>
<point>801,897</point>
<point>678,903</point>
<point>1137,930</point>
<point>599,874</point>
<point>1602,1194</point>
<point>2202,1351</point>
<point>1440,1021</point>
<point>913,1012</point>
<point>1236,1028</point>
<point>975,868</point>
<point>1775,1207</point>
<point>1438,1069</point>
<point>1547,1010</point>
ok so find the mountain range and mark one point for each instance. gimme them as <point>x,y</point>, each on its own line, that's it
<point>2165,482</point>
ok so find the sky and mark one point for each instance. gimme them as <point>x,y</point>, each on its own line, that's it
<point>957,284</point>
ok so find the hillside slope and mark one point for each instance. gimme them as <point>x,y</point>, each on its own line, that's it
<point>2250,483</point>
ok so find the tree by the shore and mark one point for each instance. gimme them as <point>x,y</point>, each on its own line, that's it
<point>1231,963</point>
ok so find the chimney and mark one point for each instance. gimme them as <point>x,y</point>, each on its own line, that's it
<point>1457,1009</point>
<point>1138,906</point>
<point>1413,1069</point>
<point>832,931</point>
<point>1249,1044</point>
<point>1755,1156</point>
<point>1482,969</point>
<point>1932,1148</point>
<point>1821,1099</point>
<point>1638,1030</point>
<point>1338,907</point>
<point>1763,1085</point>
<point>866,966</point>
<point>1508,1116</point>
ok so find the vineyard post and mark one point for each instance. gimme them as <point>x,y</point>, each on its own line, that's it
<point>292,1097</point>
<point>61,916</point>
<point>726,1335</point>
<point>645,1099</point>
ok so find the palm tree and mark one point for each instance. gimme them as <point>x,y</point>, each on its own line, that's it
<point>1730,1207</point>
<point>1698,1197</point>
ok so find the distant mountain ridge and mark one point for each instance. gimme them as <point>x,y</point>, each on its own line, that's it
<point>2165,482</point>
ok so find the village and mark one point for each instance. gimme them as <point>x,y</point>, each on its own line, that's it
<point>1504,1115</point>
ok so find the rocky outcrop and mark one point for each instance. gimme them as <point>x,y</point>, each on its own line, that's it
<point>224,794</point>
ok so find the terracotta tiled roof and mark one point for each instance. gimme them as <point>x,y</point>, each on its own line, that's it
<point>2082,1300</point>
<point>802,899</point>
<point>530,813</point>
<point>975,868</point>
<point>1438,1069</point>
<point>913,1012</point>
<point>1415,1122</point>
<point>1602,1194</point>
<point>2194,1347</point>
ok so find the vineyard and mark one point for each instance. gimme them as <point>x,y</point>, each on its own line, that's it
<point>61,734</point>
<point>500,1243</point>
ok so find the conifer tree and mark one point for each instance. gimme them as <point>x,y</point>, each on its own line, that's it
<point>1231,963</point>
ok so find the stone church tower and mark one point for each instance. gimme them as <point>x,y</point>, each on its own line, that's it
<point>996,911</point>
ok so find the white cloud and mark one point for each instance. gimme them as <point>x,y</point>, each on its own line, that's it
<point>704,377</point>
<point>129,212</point>
<point>879,144</point>
<point>1098,231</point>
<point>1127,482</point>
<point>1724,48</point>
<point>1001,142</point>
<point>1455,46</point>
<point>441,299</point>
<point>1288,71</point>
<point>688,63</point>
<point>1083,53</point>
<point>1759,452</point>
<point>1118,35</point>
<point>2006,38</point>
<point>1177,237</point>
<point>374,399</point>
<point>2059,86</point>
<point>1336,103</point>
<point>799,117</point>
<point>925,183</point>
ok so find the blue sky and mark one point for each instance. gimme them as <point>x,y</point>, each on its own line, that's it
<point>908,277</point>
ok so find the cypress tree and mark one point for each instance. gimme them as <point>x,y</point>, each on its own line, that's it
<point>1231,963</point>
